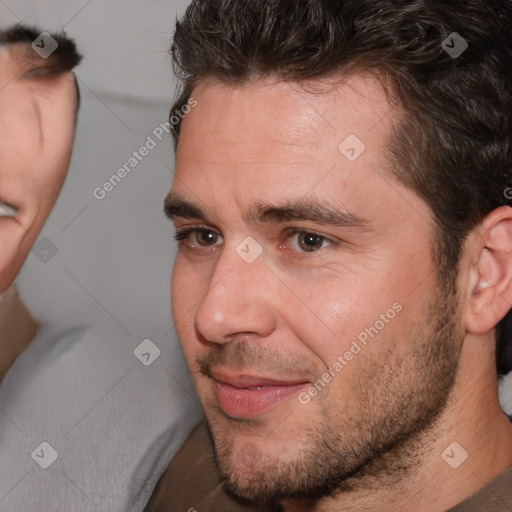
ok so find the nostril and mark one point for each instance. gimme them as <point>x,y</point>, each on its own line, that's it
<point>202,338</point>
<point>7,210</point>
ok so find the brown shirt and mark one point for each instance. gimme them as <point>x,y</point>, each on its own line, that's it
<point>496,496</point>
<point>17,329</point>
<point>190,483</point>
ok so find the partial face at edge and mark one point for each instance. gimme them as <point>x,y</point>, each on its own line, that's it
<point>38,103</point>
<point>299,269</point>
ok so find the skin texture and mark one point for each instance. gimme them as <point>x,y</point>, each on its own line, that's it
<point>37,126</point>
<point>425,380</point>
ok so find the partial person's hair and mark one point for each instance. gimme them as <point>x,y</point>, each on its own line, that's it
<point>453,142</point>
<point>65,58</point>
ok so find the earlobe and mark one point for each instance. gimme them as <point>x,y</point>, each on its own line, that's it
<point>491,274</point>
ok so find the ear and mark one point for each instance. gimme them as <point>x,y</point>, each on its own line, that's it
<point>490,296</point>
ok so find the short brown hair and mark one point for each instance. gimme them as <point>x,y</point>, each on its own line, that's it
<point>453,144</point>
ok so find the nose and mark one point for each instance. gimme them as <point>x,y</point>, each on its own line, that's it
<point>238,302</point>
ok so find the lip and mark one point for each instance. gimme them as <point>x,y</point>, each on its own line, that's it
<point>248,396</point>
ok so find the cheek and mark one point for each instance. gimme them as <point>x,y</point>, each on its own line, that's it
<point>20,139</point>
<point>187,288</point>
<point>55,160</point>
<point>354,316</point>
<point>49,184</point>
<point>35,146</point>
<point>337,320</point>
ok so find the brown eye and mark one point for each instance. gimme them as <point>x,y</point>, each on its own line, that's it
<point>205,238</point>
<point>310,242</point>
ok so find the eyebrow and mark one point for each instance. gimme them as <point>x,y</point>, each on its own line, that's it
<point>299,210</point>
<point>175,206</point>
<point>320,212</point>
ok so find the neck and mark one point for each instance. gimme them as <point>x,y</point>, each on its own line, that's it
<point>17,329</point>
<point>472,418</point>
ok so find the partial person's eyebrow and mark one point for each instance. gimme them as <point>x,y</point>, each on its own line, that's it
<point>300,210</point>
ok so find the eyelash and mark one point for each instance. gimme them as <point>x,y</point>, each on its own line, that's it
<point>183,234</point>
<point>292,232</point>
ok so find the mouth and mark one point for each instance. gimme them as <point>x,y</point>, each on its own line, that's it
<point>7,210</point>
<point>248,396</point>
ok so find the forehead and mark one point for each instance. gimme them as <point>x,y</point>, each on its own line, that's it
<point>289,117</point>
<point>276,143</point>
<point>268,137</point>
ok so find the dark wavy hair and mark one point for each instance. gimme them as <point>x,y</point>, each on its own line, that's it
<point>453,143</point>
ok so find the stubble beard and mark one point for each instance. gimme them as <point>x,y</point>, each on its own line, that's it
<point>346,449</point>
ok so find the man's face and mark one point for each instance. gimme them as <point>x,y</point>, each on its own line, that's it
<point>315,343</point>
<point>37,124</point>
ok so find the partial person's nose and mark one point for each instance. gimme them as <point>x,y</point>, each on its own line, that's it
<point>238,301</point>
